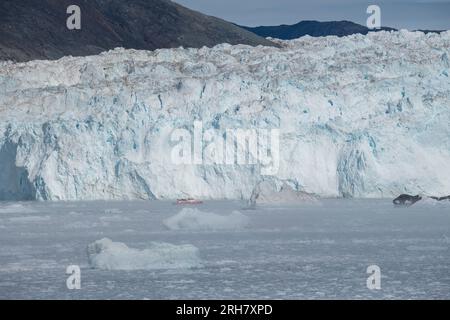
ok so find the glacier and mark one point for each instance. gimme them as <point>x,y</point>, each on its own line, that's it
<point>359,116</point>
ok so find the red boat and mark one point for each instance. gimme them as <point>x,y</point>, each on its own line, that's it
<point>188,201</point>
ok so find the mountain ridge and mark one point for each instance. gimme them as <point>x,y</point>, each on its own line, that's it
<point>36,29</point>
<point>316,28</point>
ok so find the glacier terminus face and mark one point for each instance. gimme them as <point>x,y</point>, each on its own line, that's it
<point>358,116</point>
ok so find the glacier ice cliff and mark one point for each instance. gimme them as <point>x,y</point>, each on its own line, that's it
<point>359,116</point>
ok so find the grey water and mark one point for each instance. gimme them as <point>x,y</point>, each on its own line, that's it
<point>285,252</point>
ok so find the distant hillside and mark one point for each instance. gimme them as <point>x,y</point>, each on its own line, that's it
<point>36,29</point>
<point>312,28</point>
<point>431,31</point>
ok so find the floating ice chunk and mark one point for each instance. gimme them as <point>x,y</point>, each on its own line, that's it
<point>113,211</point>
<point>29,219</point>
<point>15,208</point>
<point>427,201</point>
<point>108,255</point>
<point>114,218</point>
<point>427,248</point>
<point>194,219</point>
<point>267,193</point>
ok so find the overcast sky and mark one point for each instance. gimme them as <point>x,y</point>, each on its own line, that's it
<point>408,14</point>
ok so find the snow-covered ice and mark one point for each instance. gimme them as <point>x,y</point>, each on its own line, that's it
<point>285,252</point>
<point>359,116</point>
<point>108,255</point>
<point>195,219</point>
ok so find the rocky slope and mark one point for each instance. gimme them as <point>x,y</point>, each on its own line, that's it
<point>36,29</point>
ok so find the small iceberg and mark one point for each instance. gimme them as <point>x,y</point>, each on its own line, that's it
<point>194,219</point>
<point>108,255</point>
<point>268,193</point>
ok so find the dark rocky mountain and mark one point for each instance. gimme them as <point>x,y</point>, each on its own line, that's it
<point>36,29</point>
<point>431,31</point>
<point>312,28</point>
